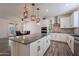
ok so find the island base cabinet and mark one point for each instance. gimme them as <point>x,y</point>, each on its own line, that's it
<point>18,49</point>
<point>14,49</point>
<point>33,49</point>
<point>46,43</point>
<point>58,37</point>
<point>70,41</point>
<point>24,50</point>
<point>36,48</point>
<point>39,47</point>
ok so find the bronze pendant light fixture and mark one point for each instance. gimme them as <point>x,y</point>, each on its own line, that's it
<point>33,17</point>
<point>37,19</point>
<point>25,14</point>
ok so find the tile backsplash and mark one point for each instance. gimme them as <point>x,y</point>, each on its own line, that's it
<point>76,31</point>
<point>67,30</point>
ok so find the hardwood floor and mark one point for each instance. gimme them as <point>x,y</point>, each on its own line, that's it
<point>4,50</point>
<point>58,49</point>
<point>76,50</point>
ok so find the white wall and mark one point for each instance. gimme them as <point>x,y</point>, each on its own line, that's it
<point>4,27</point>
<point>76,31</point>
<point>32,26</point>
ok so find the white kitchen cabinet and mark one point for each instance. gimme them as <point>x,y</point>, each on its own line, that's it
<point>18,49</point>
<point>33,49</point>
<point>14,49</point>
<point>65,22</point>
<point>36,48</point>
<point>45,45</point>
<point>48,40</point>
<point>70,41</point>
<point>58,37</point>
<point>40,47</point>
<point>75,18</point>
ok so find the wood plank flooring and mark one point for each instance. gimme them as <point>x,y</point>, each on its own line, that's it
<point>4,50</point>
<point>55,49</point>
<point>76,48</point>
<point>58,49</point>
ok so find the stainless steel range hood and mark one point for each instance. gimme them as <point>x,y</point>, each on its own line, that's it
<point>56,25</point>
<point>56,21</point>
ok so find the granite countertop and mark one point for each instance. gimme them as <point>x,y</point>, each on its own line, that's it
<point>26,39</point>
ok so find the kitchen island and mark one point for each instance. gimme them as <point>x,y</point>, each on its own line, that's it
<point>29,45</point>
<point>37,45</point>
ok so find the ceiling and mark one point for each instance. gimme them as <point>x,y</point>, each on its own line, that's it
<point>10,10</point>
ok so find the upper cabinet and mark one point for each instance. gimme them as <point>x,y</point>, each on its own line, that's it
<point>70,21</point>
<point>65,22</point>
<point>75,18</point>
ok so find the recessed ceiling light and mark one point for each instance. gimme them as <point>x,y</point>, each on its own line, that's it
<point>38,23</point>
<point>46,10</point>
<point>66,5</point>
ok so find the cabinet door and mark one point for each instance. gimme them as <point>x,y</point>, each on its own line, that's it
<point>15,49</point>
<point>48,40</point>
<point>40,47</point>
<point>76,19</point>
<point>65,22</point>
<point>24,50</point>
<point>33,49</point>
<point>36,48</point>
<point>62,21</point>
<point>44,48</point>
<point>72,20</point>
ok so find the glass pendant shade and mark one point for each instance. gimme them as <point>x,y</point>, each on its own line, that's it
<point>37,19</point>
<point>33,17</point>
<point>25,14</point>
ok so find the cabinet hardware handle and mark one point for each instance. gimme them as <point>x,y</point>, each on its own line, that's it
<point>70,41</point>
<point>38,41</point>
<point>38,48</point>
<point>47,41</point>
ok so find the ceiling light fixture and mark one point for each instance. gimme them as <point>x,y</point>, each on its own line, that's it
<point>66,5</point>
<point>46,10</point>
<point>33,17</point>
<point>38,18</point>
<point>25,13</point>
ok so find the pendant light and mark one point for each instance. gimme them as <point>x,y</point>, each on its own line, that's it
<point>33,17</point>
<point>25,14</point>
<point>37,19</point>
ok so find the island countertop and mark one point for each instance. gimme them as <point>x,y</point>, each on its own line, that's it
<point>26,39</point>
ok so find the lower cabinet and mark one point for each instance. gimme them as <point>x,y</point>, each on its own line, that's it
<point>33,49</point>
<point>36,48</point>
<point>58,37</point>
<point>18,49</point>
<point>70,41</point>
<point>39,47</point>
<point>14,49</point>
<point>45,45</point>
<point>48,41</point>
